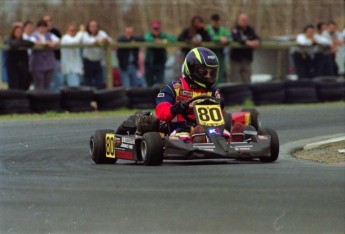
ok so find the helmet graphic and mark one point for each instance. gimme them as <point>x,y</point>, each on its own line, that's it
<point>201,66</point>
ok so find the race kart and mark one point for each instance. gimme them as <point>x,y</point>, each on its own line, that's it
<point>151,148</point>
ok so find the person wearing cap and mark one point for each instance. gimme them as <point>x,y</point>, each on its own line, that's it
<point>155,58</point>
<point>221,35</point>
<point>241,58</point>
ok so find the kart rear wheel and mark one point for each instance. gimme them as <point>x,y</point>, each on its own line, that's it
<point>152,149</point>
<point>97,147</point>
<point>254,117</point>
<point>274,148</point>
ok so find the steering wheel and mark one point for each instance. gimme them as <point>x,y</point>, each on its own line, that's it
<point>206,98</point>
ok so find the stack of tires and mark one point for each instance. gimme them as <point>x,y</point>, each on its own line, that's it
<point>268,93</point>
<point>329,89</point>
<point>235,94</point>
<point>14,102</point>
<point>44,101</point>
<point>77,99</point>
<point>142,98</point>
<point>300,91</point>
<point>111,99</point>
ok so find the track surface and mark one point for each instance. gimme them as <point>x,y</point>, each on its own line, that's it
<point>48,184</point>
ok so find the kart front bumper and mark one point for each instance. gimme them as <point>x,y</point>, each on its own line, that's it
<point>218,149</point>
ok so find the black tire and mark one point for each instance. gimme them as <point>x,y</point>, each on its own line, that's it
<point>269,98</point>
<point>112,104</point>
<point>77,99</point>
<point>254,117</point>
<point>152,149</point>
<point>43,101</point>
<point>274,144</point>
<point>235,94</point>
<point>14,102</point>
<point>142,98</point>
<point>268,93</point>
<point>301,95</point>
<point>109,94</point>
<point>97,147</point>
<point>329,89</point>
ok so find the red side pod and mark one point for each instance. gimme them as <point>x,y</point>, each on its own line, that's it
<point>241,117</point>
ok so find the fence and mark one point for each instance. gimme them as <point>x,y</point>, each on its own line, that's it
<point>281,47</point>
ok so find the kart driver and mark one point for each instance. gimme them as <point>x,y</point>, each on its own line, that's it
<point>200,73</point>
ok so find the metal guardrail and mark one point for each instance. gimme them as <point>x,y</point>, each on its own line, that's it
<point>282,48</point>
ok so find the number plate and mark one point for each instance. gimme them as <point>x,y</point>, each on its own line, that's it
<point>109,145</point>
<point>209,115</point>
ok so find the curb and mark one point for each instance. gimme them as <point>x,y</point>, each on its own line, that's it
<point>324,142</point>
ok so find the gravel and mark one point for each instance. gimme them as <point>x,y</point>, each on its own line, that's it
<point>328,153</point>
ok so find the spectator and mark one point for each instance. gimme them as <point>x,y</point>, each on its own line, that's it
<point>303,56</point>
<point>28,30</point>
<point>128,59</point>
<point>242,58</point>
<point>155,58</point>
<point>57,77</point>
<point>42,62</point>
<point>17,61</point>
<point>71,62</point>
<point>92,57</point>
<point>335,37</point>
<point>219,34</point>
<point>195,34</point>
<point>322,62</point>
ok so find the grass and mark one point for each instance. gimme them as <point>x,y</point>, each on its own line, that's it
<point>126,112</point>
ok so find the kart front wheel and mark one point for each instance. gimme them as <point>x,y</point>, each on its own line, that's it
<point>97,147</point>
<point>152,149</point>
<point>274,144</point>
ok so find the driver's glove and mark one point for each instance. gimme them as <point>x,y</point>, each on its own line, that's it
<point>179,108</point>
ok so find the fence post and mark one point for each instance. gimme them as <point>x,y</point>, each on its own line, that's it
<point>1,64</point>
<point>108,65</point>
<point>282,60</point>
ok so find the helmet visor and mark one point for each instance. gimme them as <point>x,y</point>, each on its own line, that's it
<point>207,74</point>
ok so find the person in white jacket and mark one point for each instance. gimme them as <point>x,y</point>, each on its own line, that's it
<point>92,57</point>
<point>71,61</point>
<point>306,57</point>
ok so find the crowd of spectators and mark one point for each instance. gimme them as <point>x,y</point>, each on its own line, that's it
<point>51,68</point>
<point>317,49</point>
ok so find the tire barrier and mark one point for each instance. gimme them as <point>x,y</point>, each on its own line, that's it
<point>268,93</point>
<point>142,98</point>
<point>300,91</point>
<point>235,94</point>
<point>321,89</point>
<point>111,99</point>
<point>329,89</point>
<point>77,99</point>
<point>14,102</point>
<point>44,101</point>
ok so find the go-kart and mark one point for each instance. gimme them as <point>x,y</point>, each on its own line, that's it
<point>151,148</point>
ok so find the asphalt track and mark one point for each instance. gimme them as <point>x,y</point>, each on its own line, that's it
<point>48,183</point>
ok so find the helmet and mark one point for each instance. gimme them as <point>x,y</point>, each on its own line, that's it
<point>201,66</point>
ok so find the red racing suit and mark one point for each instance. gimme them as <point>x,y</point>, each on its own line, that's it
<point>174,92</point>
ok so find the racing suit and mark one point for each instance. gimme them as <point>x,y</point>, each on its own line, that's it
<point>179,90</point>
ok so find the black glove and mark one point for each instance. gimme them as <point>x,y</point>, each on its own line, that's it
<point>179,108</point>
